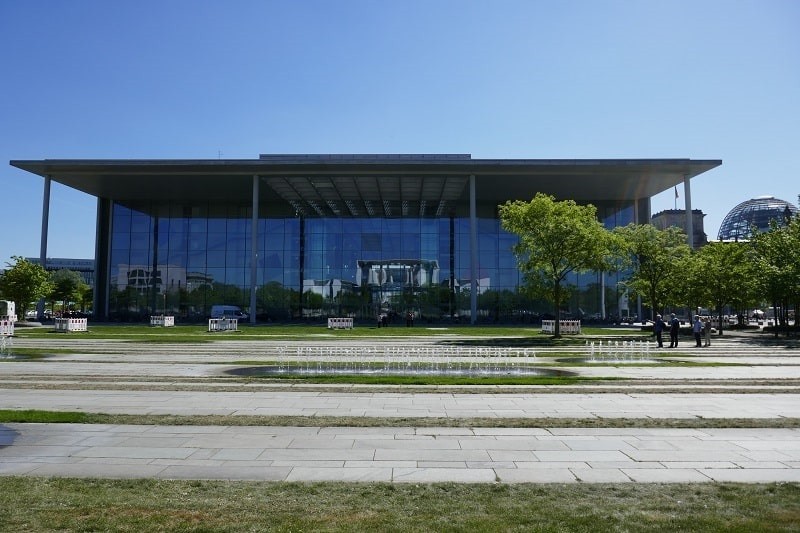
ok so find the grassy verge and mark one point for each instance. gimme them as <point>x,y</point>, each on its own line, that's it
<point>73,417</point>
<point>429,380</point>
<point>199,333</point>
<point>36,504</point>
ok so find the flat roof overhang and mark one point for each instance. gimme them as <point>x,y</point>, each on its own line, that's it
<point>347,185</point>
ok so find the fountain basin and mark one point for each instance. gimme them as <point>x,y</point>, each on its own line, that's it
<point>433,370</point>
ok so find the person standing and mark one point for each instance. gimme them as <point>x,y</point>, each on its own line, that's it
<point>658,329</point>
<point>697,329</point>
<point>707,332</point>
<point>674,329</point>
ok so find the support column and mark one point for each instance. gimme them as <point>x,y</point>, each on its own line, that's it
<point>637,220</point>
<point>102,259</point>
<point>473,252</point>
<point>153,291</point>
<point>254,251</point>
<point>43,238</point>
<point>452,295</point>
<point>687,194</point>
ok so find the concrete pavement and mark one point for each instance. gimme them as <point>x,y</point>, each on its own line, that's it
<point>418,455</point>
<point>412,404</point>
<point>115,377</point>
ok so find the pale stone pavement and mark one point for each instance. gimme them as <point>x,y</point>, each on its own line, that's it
<point>396,454</point>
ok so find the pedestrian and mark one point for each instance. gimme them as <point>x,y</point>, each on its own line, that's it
<point>707,331</point>
<point>674,329</point>
<point>658,329</point>
<point>697,329</point>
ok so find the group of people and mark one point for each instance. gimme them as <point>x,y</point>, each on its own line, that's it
<point>385,318</point>
<point>700,329</point>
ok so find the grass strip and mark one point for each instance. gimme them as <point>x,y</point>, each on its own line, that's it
<point>435,380</point>
<point>591,388</point>
<point>75,417</point>
<point>49,504</point>
<point>193,332</point>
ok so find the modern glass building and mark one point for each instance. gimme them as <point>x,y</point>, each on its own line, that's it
<point>298,237</point>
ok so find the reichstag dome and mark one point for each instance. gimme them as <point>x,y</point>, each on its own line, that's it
<point>755,213</point>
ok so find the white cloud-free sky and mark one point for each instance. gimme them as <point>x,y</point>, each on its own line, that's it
<point>702,79</point>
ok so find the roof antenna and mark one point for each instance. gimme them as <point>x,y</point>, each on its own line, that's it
<point>219,154</point>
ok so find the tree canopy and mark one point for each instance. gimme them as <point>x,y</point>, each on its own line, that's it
<point>24,282</point>
<point>721,274</point>
<point>556,238</point>
<point>777,252</point>
<point>68,286</point>
<point>655,258</point>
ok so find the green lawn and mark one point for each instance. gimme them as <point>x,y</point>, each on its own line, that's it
<point>199,333</point>
<point>24,416</point>
<point>37,504</point>
<point>51,504</point>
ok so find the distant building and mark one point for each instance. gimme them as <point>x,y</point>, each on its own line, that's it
<point>85,267</point>
<point>756,214</point>
<point>677,217</point>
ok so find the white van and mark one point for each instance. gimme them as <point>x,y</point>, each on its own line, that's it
<point>228,311</point>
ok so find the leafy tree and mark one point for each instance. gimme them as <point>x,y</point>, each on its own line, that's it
<point>273,300</point>
<point>689,287</point>
<point>86,298</point>
<point>498,303</point>
<point>656,259</point>
<point>724,274</point>
<point>777,251</point>
<point>24,282</point>
<point>350,302</point>
<point>556,239</point>
<point>312,300</point>
<point>68,286</point>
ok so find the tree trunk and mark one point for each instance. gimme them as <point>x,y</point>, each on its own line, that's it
<point>775,315</point>
<point>557,302</point>
<point>654,304</point>
<point>796,321</point>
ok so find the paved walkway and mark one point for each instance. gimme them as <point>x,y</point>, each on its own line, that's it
<point>392,454</point>
<point>400,404</point>
<point>475,455</point>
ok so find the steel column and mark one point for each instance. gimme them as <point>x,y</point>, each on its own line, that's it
<point>254,251</point>
<point>473,252</point>
<point>687,191</point>
<point>43,238</point>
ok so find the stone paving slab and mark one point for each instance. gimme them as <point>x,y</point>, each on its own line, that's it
<point>399,455</point>
<point>403,454</point>
<point>448,405</point>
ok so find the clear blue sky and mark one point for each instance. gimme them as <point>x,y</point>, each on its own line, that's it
<point>494,78</point>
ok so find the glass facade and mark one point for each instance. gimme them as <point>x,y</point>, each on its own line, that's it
<point>754,215</point>
<point>181,259</point>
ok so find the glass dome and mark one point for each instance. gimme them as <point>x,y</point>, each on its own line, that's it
<point>756,213</point>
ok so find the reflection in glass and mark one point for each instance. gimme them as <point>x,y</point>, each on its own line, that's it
<point>351,266</point>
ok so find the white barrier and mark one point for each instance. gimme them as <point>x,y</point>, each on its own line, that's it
<point>223,324</point>
<point>340,323</point>
<point>6,328</point>
<point>71,324</point>
<point>162,320</point>
<point>571,327</point>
